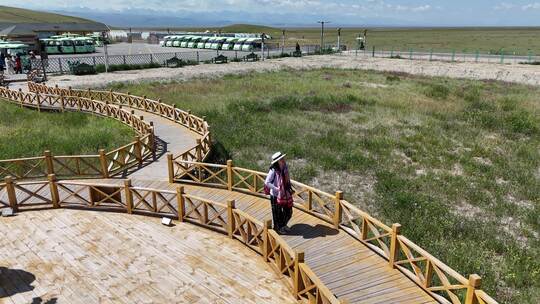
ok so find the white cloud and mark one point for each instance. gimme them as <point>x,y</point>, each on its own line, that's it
<point>531,6</point>
<point>504,6</point>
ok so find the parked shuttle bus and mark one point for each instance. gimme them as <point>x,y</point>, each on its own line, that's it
<point>218,43</point>
<point>193,42</point>
<point>229,44</point>
<point>238,44</point>
<point>177,40</point>
<point>66,45</point>
<point>252,44</point>
<point>50,46</point>
<point>185,41</point>
<point>166,41</point>
<point>202,42</point>
<point>79,45</point>
<point>208,43</point>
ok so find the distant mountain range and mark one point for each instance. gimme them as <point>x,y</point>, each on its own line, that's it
<point>182,19</point>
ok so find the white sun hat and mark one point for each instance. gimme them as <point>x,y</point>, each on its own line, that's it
<point>277,156</point>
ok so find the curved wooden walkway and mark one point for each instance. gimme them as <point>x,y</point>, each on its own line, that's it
<point>325,264</point>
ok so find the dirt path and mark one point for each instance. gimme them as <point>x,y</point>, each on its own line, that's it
<point>526,74</point>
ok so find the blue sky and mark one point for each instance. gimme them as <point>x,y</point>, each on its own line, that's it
<point>352,12</point>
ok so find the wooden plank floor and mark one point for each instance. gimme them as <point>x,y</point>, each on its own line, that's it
<point>77,256</point>
<point>347,267</point>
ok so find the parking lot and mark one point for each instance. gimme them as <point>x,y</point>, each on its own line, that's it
<point>135,48</point>
<point>144,53</point>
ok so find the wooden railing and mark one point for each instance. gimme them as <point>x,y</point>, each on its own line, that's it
<point>443,283</point>
<point>103,164</point>
<point>194,123</point>
<point>122,196</point>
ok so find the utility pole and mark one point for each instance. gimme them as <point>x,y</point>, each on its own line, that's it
<point>104,35</point>
<point>339,39</point>
<point>263,35</point>
<point>282,41</point>
<point>322,33</point>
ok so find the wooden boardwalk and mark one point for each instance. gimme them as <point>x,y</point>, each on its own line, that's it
<point>100,257</point>
<point>348,268</point>
<point>364,261</point>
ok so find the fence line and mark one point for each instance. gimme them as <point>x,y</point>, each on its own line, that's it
<point>435,277</point>
<point>221,217</point>
<point>452,56</point>
<point>104,164</point>
<point>61,65</point>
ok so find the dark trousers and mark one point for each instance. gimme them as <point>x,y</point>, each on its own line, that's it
<point>280,214</point>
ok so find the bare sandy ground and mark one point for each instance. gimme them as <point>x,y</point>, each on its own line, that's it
<point>525,74</point>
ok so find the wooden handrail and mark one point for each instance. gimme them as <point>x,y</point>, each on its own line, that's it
<point>32,167</point>
<point>388,243</point>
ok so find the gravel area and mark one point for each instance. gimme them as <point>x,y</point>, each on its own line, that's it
<point>525,74</point>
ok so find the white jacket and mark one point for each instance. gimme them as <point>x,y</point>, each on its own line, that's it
<point>272,183</point>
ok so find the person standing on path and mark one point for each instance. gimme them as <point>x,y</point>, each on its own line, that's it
<point>278,184</point>
<point>18,64</point>
<point>10,65</point>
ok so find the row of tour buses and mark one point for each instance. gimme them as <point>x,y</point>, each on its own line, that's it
<point>13,48</point>
<point>214,43</point>
<point>70,44</point>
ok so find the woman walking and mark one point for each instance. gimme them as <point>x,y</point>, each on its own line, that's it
<point>278,185</point>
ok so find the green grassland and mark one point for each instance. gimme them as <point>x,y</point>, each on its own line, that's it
<point>485,40</point>
<point>20,15</point>
<point>26,133</point>
<point>456,162</point>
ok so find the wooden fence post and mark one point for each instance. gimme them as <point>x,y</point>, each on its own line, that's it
<point>309,200</point>
<point>171,167</point>
<point>231,205</point>
<point>198,150</point>
<point>138,150</point>
<point>298,258</point>
<point>38,101</point>
<point>103,161</point>
<point>10,189</point>
<point>181,203</point>
<point>129,196</point>
<point>49,161</point>
<point>55,196</point>
<point>62,101</point>
<point>474,283</point>
<point>229,174</point>
<point>394,246</point>
<point>266,241</point>
<point>365,229</point>
<point>337,209</point>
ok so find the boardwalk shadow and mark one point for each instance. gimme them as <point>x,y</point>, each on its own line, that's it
<point>311,232</point>
<point>19,279</point>
<point>161,149</point>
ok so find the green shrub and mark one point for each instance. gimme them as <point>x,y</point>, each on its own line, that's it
<point>100,68</point>
<point>437,90</point>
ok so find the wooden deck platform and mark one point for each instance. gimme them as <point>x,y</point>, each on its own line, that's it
<point>100,257</point>
<point>347,267</point>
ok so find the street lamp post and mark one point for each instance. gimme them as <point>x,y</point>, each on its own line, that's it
<point>322,33</point>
